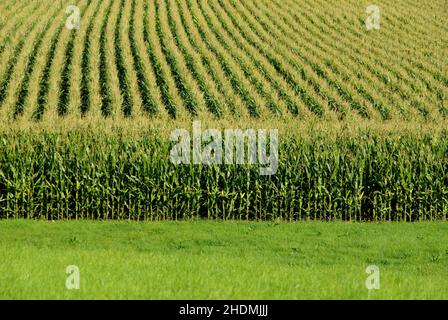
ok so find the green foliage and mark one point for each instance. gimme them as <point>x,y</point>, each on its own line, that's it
<point>359,177</point>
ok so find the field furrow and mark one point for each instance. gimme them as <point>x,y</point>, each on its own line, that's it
<point>147,99</point>
<point>17,51</point>
<point>85,93</point>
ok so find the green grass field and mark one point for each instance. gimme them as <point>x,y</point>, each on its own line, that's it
<point>232,260</point>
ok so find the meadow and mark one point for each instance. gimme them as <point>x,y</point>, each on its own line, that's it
<point>231,260</point>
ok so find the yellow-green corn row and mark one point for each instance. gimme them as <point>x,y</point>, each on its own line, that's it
<point>175,59</point>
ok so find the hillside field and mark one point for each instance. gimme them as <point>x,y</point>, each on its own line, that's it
<point>90,92</point>
<point>175,59</point>
<point>326,118</point>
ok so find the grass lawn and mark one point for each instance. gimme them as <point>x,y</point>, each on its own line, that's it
<point>229,260</point>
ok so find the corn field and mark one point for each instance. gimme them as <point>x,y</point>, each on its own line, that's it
<point>150,66</point>
<point>357,178</point>
<point>176,59</point>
